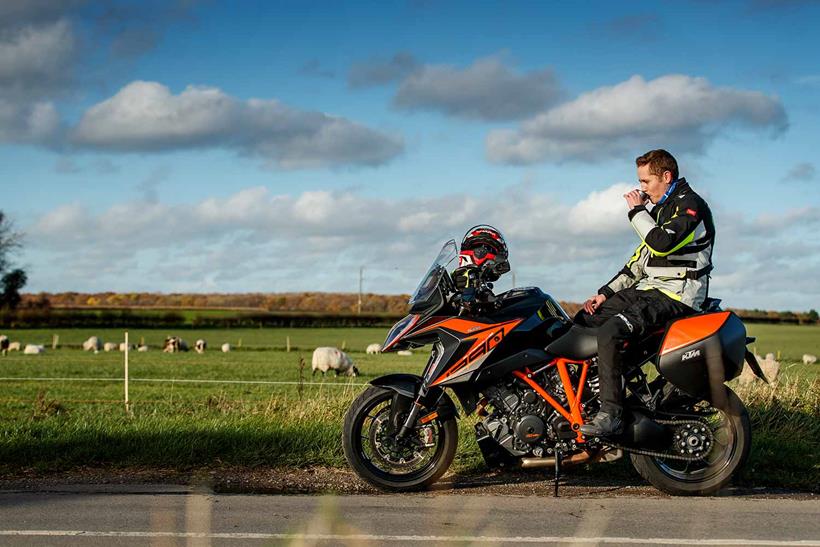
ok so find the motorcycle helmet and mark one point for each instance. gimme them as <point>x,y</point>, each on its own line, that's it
<point>484,246</point>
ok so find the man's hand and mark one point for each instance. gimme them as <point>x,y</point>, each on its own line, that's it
<point>465,276</point>
<point>592,305</point>
<point>634,198</point>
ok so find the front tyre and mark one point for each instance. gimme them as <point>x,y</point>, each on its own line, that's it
<point>375,454</point>
<point>731,438</point>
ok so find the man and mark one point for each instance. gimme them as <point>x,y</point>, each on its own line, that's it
<point>666,277</point>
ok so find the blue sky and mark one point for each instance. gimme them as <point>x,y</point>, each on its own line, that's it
<point>279,146</point>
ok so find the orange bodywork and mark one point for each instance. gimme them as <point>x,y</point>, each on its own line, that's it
<point>692,329</point>
<point>485,339</point>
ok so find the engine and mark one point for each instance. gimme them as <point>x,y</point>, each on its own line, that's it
<point>521,421</point>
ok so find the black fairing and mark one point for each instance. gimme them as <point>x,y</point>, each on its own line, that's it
<point>718,358</point>
<point>524,302</point>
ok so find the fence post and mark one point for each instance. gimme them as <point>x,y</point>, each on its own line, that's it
<point>127,402</point>
<point>55,341</point>
<point>287,343</point>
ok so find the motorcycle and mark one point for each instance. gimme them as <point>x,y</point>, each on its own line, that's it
<point>517,360</point>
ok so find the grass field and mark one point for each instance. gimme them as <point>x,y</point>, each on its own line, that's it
<point>62,424</point>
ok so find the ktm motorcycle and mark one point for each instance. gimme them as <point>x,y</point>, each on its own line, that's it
<point>518,362</point>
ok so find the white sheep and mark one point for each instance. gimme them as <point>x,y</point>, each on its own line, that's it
<point>325,359</point>
<point>15,346</point>
<point>142,349</point>
<point>200,346</point>
<point>92,344</point>
<point>123,345</point>
<point>404,352</point>
<point>226,347</point>
<point>174,344</point>
<point>111,346</point>
<point>33,349</point>
<point>769,366</point>
<point>374,349</point>
<point>809,359</point>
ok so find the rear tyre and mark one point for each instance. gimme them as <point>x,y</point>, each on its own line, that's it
<point>732,437</point>
<point>374,453</point>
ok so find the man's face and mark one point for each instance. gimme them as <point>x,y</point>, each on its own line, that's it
<point>655,186</point>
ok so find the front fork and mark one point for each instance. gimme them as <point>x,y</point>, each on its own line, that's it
<point>413,408</point>
<point>410,422</point>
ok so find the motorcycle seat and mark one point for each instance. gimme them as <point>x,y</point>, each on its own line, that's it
<point>578,343</point>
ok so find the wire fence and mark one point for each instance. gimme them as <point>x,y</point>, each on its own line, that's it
<point>177,381</point>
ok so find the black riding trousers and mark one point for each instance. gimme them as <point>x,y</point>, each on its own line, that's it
<point>628,315</point>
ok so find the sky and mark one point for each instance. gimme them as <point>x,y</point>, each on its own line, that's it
<point>269,146</point>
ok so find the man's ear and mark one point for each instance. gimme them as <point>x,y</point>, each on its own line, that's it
<point>667,177</point>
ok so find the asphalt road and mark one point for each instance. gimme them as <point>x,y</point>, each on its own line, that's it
<point>173,516</point>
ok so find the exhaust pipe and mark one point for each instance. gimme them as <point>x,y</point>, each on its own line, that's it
<point>575,459</point>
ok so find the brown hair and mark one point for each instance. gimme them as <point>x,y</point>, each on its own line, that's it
<point>659,161</point>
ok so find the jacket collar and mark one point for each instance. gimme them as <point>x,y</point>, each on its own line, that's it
<point>677,185</point>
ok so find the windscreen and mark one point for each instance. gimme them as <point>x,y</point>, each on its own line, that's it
<point>430,281</point>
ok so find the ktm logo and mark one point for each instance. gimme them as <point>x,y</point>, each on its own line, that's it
<point>690,354</point>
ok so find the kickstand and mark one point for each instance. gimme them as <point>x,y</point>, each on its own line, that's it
<point>557,472</point>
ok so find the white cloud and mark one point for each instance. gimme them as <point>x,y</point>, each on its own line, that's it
<point>255,240</point>
<point>30,123</point>
<point>146,116</point>
<point>291,237</point>
<point>486,90</point>
<point>26,12</point>
<point>380,71</point>
<point>36,60</point>
<point>678,112</point>
<point>489,89</point>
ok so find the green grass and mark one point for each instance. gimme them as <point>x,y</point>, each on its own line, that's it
<point>60,425</point>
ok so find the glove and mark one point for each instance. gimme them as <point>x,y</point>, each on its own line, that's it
<point>465,277</point>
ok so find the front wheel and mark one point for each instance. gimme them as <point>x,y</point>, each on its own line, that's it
<point>728,438</point>
<point>377,456</point>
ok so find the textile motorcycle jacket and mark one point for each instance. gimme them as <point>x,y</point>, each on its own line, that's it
<point>675,254</point>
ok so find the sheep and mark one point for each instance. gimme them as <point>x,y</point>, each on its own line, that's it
<point>374,349</point>
<point>32,349</point>
<point>15,346</point>
<point>404,352</point>
<point>174,344</point>
<point>123,345</point>
<point>325,359</point>
<point>226,347</point>
<point>770,368</point>
<point>92,344</point>
<point>142,349</point>
<point>110,346</point>
<point>809,359</point>
<point>200,346</point>
<point>4,344</point>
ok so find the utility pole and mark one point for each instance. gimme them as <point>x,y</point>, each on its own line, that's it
<point>361,277</point>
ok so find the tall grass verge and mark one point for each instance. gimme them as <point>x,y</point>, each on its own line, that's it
<point>785,420</point>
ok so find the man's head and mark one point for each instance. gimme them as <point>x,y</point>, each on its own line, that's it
<point>657,169</point>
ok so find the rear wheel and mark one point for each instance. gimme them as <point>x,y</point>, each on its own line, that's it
<point>725,446</point>
<point>373,451</point>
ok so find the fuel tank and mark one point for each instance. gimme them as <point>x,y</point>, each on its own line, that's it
<point>702,351</point>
